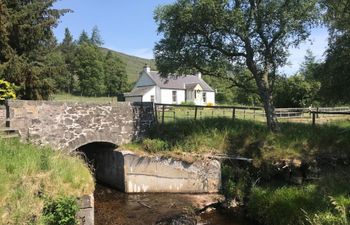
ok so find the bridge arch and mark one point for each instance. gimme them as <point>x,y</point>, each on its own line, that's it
<point>106,162</point>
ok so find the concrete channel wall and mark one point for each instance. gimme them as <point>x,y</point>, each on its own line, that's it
<point>132,173</point>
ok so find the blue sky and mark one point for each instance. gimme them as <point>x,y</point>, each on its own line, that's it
<point>128,26</point>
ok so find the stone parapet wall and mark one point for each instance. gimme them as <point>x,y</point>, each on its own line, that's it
<point>2,116</point>
<point>68,126</point>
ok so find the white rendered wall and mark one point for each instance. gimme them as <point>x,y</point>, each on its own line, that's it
<point>167,96</point>
<point>210,98</point>
<point>147,96</point>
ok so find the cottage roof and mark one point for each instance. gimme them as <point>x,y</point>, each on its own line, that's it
<point>178,82</point>
<point>138,91</point>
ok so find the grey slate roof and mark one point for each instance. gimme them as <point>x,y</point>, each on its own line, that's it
<point>138,91</point>
<point>179,82</point>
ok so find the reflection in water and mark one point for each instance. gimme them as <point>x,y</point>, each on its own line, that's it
<point>116,208</point>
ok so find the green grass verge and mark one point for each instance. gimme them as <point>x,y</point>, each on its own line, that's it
<point>30,175</point>
<point>325,202</point>
<point>64,97</point>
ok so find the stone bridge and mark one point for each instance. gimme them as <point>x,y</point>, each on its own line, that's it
<point>68,126</point>
<point>96,130</point>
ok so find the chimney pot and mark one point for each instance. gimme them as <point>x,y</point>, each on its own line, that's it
<point>146,68</point>
<point>199,75</point>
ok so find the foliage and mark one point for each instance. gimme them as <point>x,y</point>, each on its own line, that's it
<point>282,205</point>
<point>253,140</point>
<point>90,71</point>
<point>220,38</point>
<point>306,204</point>
<point>29,174</point>
<point>27,41</point>
<point>296,91</point>
<point>154,145</point>
<point>6,90</point>
<point>340,217</point>
<point>61,211</point>
<point>115,75</point>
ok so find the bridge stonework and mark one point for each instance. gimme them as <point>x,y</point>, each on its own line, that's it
<point>67,126</point>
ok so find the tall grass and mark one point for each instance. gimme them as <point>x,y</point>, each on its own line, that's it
<point>325,202</point>
<point>252,139</point>
<point>29,175</point>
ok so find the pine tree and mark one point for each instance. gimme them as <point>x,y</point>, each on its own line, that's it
<point>29,34</point>
<point>96,37</point>
<point>84,38</point>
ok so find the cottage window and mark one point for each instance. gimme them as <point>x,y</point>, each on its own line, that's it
<point>204,97</point>
<point>174,96</point>
<point>152,98</point>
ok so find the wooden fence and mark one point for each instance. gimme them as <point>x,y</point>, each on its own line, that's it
<point>172,112</point>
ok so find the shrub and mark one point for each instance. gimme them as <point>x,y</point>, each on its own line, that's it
<point>61,211</point>
<point>6,90</point>
<point>154,145</point>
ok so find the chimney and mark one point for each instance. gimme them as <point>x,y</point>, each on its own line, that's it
<point>199,75</point>
<point>146,68</point>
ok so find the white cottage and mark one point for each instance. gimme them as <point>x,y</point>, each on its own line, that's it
<point>151,87</point>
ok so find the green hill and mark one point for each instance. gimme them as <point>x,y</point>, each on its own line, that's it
<point>134,64</point>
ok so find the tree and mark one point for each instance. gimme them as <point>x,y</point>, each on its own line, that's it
<point>295,91</point>
<point>115,75</point>
<point>68,81</point>
<point>219,37</point>
<point>90,71</point>
<point>84,38</point>
<point>96,38</point>
<point>334,72</point>
<point>28,38</point>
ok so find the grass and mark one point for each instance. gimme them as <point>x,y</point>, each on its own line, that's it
<point>29,175</point>
<point>324,202</point>
<point>250,139</point>
<point>73,98</point>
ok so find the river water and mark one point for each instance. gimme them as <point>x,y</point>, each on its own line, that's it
<point>117,208</point>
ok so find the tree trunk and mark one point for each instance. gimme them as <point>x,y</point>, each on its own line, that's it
<point>271,118</point>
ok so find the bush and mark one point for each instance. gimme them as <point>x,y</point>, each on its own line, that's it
<point>154,145</point>
<point>6,90</point>
<point>61,211</point>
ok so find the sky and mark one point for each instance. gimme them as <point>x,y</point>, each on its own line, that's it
<point>128,26</point>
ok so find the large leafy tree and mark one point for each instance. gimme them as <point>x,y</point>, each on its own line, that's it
<point>90,70</point>
<point>27,38</point>
<point>220,37</point>
<point>334,72</point>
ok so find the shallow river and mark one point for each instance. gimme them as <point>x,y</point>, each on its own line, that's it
<point>117,208</point>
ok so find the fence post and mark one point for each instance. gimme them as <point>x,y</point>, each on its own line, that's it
<point>244,114</point>
<point>233,113</point>
<point>155,113</point>
<point>313,119</point>
<point>174,116</point>
<point>254,114</point>
<point>7,119</point>
<point>195,112</point>
<point>163,109</point>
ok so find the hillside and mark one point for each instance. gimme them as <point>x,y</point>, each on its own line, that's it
<point>133,64</point>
